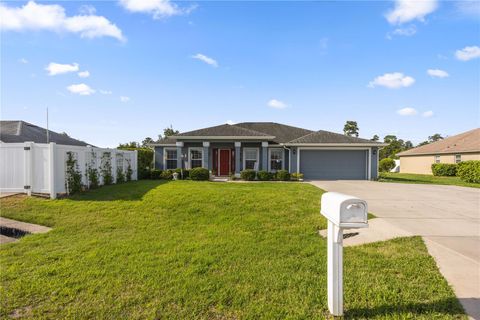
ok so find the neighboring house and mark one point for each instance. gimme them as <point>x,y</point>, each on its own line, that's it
<point>21,131</point>
<point>462,147</point>
<point>229,149</point>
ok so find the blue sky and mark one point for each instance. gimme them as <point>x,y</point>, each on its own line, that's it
<point>196,64</point>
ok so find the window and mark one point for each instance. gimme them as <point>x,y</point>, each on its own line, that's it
<point>458,158</point>
<point>437,159</point>
<point>276,159</point>
<point>120,161</point>
<point>250,158</point>
<point>170,159</point>
<point>196,160</point>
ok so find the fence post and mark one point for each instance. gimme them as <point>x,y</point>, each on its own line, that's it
<point>135,165</point>
<point>53,189</point>
<point>28,160</point>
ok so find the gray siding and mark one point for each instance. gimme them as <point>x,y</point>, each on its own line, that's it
<point>158,156</point>
<point>374,162</point>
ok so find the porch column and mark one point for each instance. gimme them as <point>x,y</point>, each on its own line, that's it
<point>264,155</point>
<point>237,158</point>
<point>206,147</point>
<point>179,153</point>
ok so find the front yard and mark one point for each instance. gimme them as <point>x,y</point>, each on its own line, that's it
<point>185,249</point>
<point>424,179</point>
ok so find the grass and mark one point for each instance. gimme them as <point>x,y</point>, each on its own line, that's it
<point>424,179</point>
<point>183,250</point>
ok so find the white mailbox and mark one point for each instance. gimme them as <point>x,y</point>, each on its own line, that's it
<point>343,212</point>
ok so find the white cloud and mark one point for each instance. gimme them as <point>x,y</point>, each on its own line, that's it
<point>87,9</point>
<point>23,60</point>
<point>124,99</point>
<point>105,91</point>
<point>277,104</point>
<point>84,74</point>
<point>157,8</point>
<point>393,80</point>
<point>230,122</point>
<point>58,68</point>
<point>468,53</point>
<point>52,17</point>
<point>408,10</point>
<point>427,114</point>
<point>437,73</point>
<point>405,32</point>
<point>206,59</point>
<point>407,112</point>
<point>81,89</point>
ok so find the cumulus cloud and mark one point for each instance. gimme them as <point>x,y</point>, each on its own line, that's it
<point>408,10</point>
<point>405,32</point>
<point>427,114</point>
<point>84,74</point>
<point>407,111</point>
<point>81,89</point>
<point>206,59</point>
<point>52,17</point>
<point>157,8</point>
<point>58,68</point>
<point>393,80</point>
<point>124,98</point>
<point>105,91</point>
<point>437,73</point>
<point>468,53</point>
<point>277,104</point>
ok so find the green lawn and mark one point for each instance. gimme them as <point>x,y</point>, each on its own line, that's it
<point>183,250</point>
<point>424,179</point>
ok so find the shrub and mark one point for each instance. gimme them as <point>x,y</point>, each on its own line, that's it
<point>144,173</point>
<point>264,175</point>
<point>167,174</point>
<point>156,174</point>
<point>106,168</point>
<point>282,175</point>
<point>73,177</point>
<point>129,173</point>
<point>248,174</point>
<point>296,176</point>
<point>444,169</point>
<point>120,175</point>
<point>199,174</point>
<point>385,165</point>
<point>469,171</point>
<point>186,173</point>
<point>144,161</point>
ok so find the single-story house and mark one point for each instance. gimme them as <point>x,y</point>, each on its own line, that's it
<point>228,149</point>
<point>454,149</point>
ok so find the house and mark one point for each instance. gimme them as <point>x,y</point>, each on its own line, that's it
<point>461,147</point>
<point>21,131</point>
<point>229,149</point>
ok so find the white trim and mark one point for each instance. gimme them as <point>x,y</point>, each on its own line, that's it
<point>262,138</point>
<point>179,143</point>
<point>264,144</point>
<point>238,144</point>
<point>270,160</point>
<point>206,144</point>
<point>229,161</point>
<point>165,157</point>
<point>190,159</point>
<point>258,155</point>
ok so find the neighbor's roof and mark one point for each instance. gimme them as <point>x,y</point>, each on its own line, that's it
<point>21,131</point>
<point>464,142</point>
<point>321,136</point>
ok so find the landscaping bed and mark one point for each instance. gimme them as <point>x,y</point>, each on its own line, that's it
<point>185,249</point>
<point>424,179</point>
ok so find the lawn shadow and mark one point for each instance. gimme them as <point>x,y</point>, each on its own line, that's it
<point>449,306</point>
<point>129,191</point>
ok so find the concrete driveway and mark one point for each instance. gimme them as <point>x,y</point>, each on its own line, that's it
<point>447,217</point>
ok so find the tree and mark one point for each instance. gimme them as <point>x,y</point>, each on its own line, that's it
<point>167,132</point>
<point>435,137</point>
<point>375,138</point>
<point>147,141</point>
<point>408,145</point>
<point>127,145</point>
<point>351,128</point>
<point>389,138</point>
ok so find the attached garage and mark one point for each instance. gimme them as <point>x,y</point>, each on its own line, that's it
<point>334,164</point>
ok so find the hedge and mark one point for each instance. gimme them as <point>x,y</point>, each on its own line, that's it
<point>248,174</point>
<point>386,165</point>
<point>282,175</point>
<point>444,169</point>
<point>265,175</point>
<point>199,174</point>
<point>469,171</point>
<point>156,174</point>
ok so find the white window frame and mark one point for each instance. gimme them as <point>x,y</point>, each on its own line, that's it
<point>165,158</point>
<point>189,156</point>
<point>436,159</point>
<point>270,158</point>
<point>459,158</point>
<point>257,150</point>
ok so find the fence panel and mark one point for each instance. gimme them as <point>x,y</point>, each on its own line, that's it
<point>12,167</point>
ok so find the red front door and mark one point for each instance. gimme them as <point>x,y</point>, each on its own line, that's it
<point>224,162</point>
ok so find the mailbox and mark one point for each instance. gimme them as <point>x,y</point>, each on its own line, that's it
<point>343,212</point>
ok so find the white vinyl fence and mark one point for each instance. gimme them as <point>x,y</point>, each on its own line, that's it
<point>40,168</point>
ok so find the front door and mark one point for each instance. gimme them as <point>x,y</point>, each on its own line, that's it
<point>224,163</point>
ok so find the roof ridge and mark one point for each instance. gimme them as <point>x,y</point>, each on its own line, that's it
<point>303,136</point>
<point>249,130</point>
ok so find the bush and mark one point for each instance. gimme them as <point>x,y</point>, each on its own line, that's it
<point>199,174</point>
<point>469,171</point>
<point>120,175</point>
<point>129,173</point>
<point>444,169</point>
<point>248,174</point>
<point>296,176</point>
<point>264,175</point>
<point>144,161</point>
<point>282,175</point>
<point>385,165</point>
<point>167,174</point>
<point>186,173</point>
<point>156,174</point>
<point>144,173</point>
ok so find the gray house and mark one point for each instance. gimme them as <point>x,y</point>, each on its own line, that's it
<point>229,149</point>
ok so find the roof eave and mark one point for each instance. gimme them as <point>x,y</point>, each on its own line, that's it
<point>437,152</point>
<point>336,144</point>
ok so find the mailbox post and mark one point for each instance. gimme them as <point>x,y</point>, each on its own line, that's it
<point>343,212</point>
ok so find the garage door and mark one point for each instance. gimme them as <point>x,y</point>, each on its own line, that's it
<point>334,164</point>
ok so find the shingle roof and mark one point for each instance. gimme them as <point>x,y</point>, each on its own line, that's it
<point>464,142</point>
<point>224,130</point>
<point>322,136</point>
<point>283,133</point>
<point>21,131</point>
